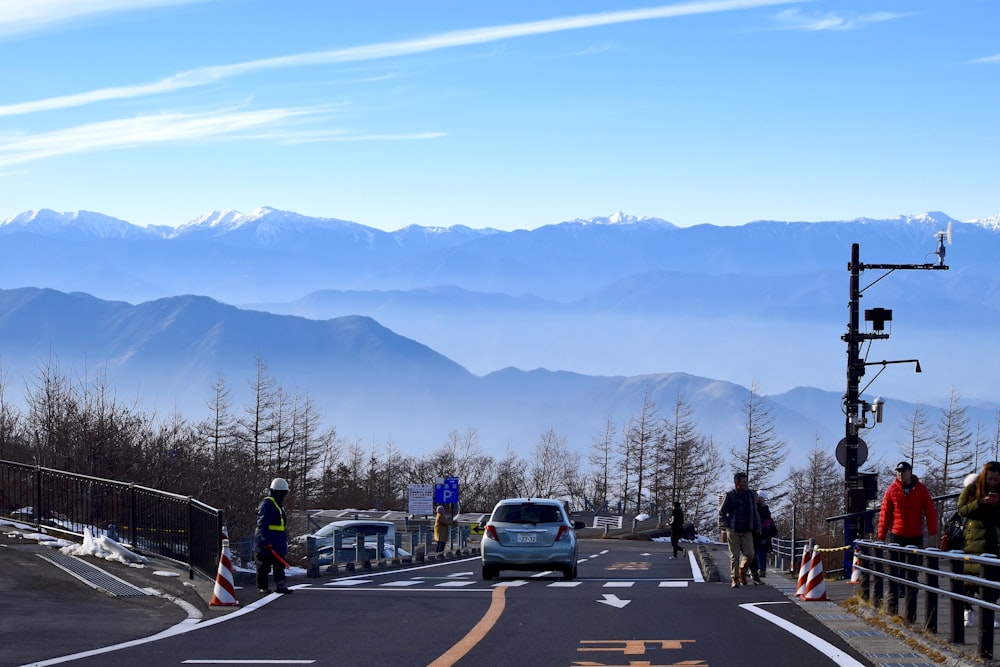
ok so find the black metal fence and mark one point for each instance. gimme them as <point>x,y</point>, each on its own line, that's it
<point>145,520</point>
<point>889,572</point>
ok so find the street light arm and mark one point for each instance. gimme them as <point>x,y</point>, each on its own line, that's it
<point>885,363</point>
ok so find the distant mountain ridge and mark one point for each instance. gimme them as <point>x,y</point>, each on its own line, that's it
<point>369,382</point>
<point>604,304</point>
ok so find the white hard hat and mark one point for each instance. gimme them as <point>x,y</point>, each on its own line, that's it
<point>279,484</point>
<point>762,495</point>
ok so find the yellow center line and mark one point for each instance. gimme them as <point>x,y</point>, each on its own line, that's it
<point>476,634</point>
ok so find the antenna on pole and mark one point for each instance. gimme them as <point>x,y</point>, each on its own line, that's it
<point>942,237</point>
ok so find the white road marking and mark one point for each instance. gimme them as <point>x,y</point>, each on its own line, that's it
<point>619,584</point>
<point>838,656</point>
<point>613,601</point>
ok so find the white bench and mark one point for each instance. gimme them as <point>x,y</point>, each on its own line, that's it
<point>608,522</point>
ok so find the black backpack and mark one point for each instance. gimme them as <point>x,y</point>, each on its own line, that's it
<point>953,536</point>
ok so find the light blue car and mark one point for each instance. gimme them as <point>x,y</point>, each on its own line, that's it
<point>529,534</point>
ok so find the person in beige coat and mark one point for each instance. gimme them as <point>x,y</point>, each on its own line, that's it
<point>442,523</point>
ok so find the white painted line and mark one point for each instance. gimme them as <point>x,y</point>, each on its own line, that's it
<point>542,574</point>
<point>512,584</point>
<point>838,656</point>
<point>564,584</point>
<point>695,570</point>
<point>619,584</point>
<point>347,582</point>
<point>454,584</point>
<point>673,584</point>
<point>248,662</point>
<point>400,584</point>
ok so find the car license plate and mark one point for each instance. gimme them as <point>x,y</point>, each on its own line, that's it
<point>528,538</point>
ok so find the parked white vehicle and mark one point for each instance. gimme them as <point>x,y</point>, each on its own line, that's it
<point>349,530</point>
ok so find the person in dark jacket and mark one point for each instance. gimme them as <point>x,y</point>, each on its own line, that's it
<point>738,516</point>
<point>906,504</point>
<point>768,531</point>
<point>978,503</point>
<point>270,543</point>
<point>676,528</point>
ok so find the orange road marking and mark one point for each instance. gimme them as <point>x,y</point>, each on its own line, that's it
<point>476,634</point>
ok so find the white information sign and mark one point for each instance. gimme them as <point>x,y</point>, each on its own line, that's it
<point>421,499</point>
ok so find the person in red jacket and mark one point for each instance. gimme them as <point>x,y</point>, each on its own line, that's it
<point>906,504</point>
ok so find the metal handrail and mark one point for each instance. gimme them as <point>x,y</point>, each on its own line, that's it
<point>148,521</point>
<point>901,568</point>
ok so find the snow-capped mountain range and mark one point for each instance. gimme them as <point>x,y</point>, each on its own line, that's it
<point>604,304</point>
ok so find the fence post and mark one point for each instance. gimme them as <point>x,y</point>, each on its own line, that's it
<point>910,592</point>
<point>892,602</point>
<point>865,580</point>
<point>988,594</point>
<point>957,606</point>
<point>933,562</point>
<point>879,583</point>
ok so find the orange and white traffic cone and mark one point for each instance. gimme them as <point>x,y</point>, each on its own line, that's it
<point>800,587</point>
<point>815,586</point>
<point>224,594</point>
<point>855,572</point>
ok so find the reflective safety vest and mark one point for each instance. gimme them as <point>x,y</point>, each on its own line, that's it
<point>280,526</point>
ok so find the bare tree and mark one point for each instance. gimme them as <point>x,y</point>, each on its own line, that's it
<point>763,452</point>
<point>814,494</point>
<point>919,439</point>
<point>553,468</point>
<point>952,454</point>
<point>601,459</point>
<point>640,438</point>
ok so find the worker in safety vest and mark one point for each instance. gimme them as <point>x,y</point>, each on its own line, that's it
<point>270,545</point>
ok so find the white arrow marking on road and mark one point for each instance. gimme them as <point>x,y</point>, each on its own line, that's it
<point>613,601</point>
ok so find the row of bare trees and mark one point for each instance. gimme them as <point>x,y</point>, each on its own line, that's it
<point>76,422</point>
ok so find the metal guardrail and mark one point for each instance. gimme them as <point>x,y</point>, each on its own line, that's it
<point>368,554</point>
<point>889,570</point>
<point>787,553</point>
<point>147,521</point>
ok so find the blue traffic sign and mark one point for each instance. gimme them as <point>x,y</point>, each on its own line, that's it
<point>446,490</point>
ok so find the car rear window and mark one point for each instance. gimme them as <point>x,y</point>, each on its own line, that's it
<point>528,513</point>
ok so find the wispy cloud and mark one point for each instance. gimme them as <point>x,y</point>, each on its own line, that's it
<point>988,59</point>
<point>143,130</point>
<point>18,16</point>
<point>205,75</point>
<point>795,19</point>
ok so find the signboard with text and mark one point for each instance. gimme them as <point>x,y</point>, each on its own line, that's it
<point>421,499</point>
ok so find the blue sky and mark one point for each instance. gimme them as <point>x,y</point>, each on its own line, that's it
<point>507,114</point>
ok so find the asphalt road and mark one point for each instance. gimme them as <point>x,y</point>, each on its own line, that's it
<point>630,605</point>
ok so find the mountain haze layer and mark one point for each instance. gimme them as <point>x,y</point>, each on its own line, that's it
<point>408,334</point>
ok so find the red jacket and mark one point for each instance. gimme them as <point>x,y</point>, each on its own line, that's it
<point>903,513</point>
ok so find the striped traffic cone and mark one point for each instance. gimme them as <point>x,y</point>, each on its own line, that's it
<point>224,594</point>
<point>800,588</point>
<point>855,572</point>
<point>815,586</point>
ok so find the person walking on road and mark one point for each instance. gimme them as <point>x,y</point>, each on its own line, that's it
<point>978,503</point>
<point>768,531</point>
<point>738,515</point>
<point>676,528</point>
<point>270,542</point>
<point>905,506</point>
<point>442,523</point>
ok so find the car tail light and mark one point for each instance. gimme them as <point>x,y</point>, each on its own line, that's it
<point>563,532</point>
<point>491,533</point>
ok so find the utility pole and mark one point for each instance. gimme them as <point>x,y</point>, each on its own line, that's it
<point>856,410</point>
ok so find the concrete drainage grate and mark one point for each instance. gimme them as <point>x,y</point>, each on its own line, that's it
<point>93,576</point>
